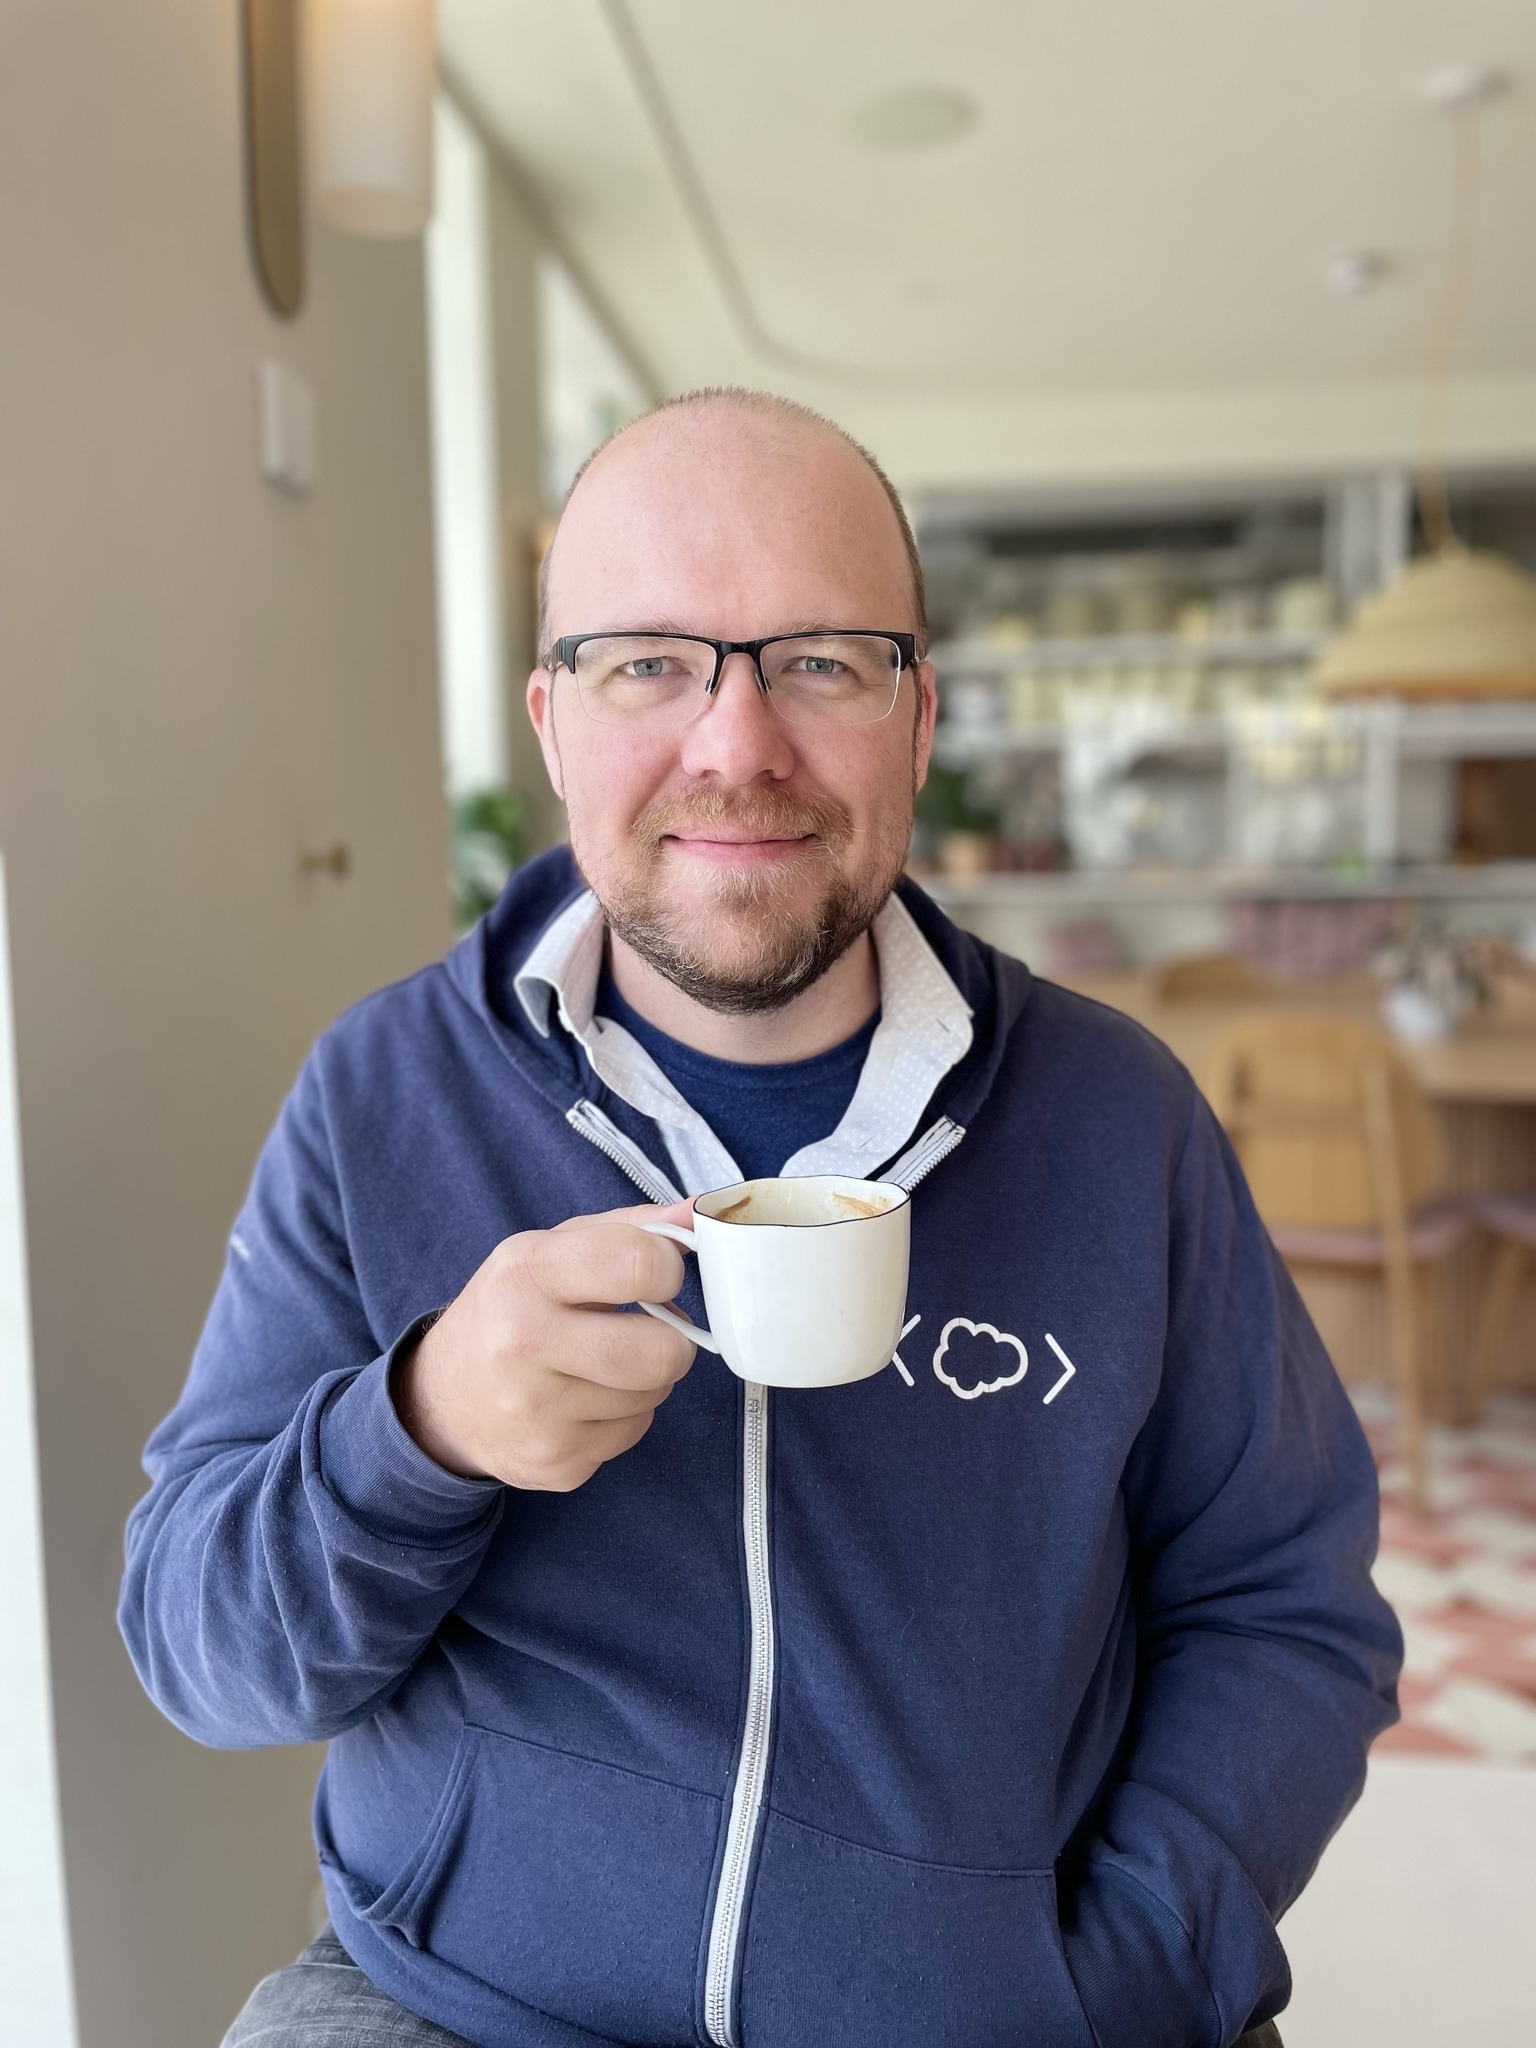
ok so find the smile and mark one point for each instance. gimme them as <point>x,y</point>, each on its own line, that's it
<point>739,852</point>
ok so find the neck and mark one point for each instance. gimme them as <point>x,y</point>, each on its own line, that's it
<point>844,999</point>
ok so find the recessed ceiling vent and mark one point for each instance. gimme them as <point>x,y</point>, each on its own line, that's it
<point>915,117</point>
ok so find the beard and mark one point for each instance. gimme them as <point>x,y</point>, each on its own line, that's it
<point>779,945</point>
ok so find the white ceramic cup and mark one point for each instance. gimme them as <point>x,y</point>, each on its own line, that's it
<point>805,1281</point>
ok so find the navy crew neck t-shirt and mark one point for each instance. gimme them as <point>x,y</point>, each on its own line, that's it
<point>762,1115</point>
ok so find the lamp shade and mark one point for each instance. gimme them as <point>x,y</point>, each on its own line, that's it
<point>372,79</point>
<point>1461,623</point>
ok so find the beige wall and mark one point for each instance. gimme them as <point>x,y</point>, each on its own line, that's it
<point>199,679</point>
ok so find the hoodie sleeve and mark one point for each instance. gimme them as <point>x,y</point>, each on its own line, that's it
<point>296,1551</point>
<point>1267,1660</point>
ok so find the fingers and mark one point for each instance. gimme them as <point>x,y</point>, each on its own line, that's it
<point>680,1212</point>
<point>632,1353</point>
<point>599,1442</point>
<point>534,1374</point>
<point>596,1259</point>
<point>589,1401</point>
<point>613,1439</point>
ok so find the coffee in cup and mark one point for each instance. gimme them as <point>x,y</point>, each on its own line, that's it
<point>805,1280</point>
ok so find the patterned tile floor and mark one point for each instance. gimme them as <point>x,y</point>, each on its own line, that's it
<point>1463,1581</point>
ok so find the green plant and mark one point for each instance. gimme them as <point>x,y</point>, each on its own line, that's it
<point>950,801</point>
<point>490,840</point>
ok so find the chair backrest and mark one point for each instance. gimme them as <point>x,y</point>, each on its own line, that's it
<point>1209,978</point>
<point>1327,1117</point>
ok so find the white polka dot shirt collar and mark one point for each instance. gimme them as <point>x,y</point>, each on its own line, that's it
<point>924,1032</point>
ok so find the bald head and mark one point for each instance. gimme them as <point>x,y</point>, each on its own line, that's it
<point>739,849</point>
<point>743,500</point>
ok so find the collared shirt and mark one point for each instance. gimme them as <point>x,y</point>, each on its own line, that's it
<point>924,1031</point>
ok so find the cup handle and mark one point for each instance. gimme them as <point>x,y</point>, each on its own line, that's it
<point>679,1323</point>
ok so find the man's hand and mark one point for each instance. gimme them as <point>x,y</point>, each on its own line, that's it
<point>529,1376</point>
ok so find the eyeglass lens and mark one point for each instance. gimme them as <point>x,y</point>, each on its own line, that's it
<point>823,679</point>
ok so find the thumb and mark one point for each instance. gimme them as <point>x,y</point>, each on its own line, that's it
<point>680,1213</point>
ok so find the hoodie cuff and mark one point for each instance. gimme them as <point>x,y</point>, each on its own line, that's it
<point>1135,1972</point>
<point>382,1477</point>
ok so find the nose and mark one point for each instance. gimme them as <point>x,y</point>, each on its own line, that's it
<point>738,736</point>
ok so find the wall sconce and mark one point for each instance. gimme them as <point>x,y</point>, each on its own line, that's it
<point>348,84</point>
<point>372,75</point>
<point>274,164</point>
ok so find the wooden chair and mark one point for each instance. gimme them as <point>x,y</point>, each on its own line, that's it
<point>1511,1221</point>
<point>1209,978</point>
<point>1343,1151</point>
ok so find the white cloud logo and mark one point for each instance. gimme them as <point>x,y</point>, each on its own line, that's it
<point>978,1330</point>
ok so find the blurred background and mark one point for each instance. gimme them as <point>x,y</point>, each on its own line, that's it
<point>1201,345</point>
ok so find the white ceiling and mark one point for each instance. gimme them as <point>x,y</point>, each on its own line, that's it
<point>1141,215</point>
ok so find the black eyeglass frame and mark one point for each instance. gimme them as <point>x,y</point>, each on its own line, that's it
<point>564,650</point>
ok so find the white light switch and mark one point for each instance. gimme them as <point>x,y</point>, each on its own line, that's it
<point>287,428</point>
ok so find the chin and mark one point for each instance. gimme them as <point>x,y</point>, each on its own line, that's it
<point>742,939</point>
<point>741,947</point>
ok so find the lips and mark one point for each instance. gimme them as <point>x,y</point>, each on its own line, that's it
<point>742,824</point>
<point>729,846</point>
<point>739,838</point>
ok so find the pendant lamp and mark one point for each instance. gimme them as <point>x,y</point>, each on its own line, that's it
<point>1458,622</point>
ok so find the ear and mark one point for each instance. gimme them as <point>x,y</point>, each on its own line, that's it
<point>541,709</point>
<point>927,712</point>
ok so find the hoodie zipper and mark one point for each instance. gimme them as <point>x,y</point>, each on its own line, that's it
<point>919,1159</point>
<point>604,1133</point>
<point>722,1963</point>
<point>723,1959</point>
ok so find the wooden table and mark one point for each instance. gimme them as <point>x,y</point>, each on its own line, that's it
<point>1483,1081</point>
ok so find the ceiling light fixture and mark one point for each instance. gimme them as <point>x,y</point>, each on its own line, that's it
<point>1459,622</point>
<point>915,117</point>
<point>1465,85</point>
<point>1354,272</point>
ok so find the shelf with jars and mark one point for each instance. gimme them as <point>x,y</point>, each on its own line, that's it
<point>1288,781</point>
<point>1132,683</point>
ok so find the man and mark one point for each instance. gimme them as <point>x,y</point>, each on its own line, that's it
<point>1003,1700</point>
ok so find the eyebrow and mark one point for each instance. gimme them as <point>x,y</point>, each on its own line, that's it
<point>806,628</point>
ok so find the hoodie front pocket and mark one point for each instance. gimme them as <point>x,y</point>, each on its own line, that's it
<point>852,1946</point>
<point>576,1887</point>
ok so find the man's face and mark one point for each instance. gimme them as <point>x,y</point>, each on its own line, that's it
<point>738,853</point>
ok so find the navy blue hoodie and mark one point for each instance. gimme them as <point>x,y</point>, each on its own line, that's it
<point>1004,1701</point>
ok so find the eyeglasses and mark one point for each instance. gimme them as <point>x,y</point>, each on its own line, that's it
<point>662,680</point>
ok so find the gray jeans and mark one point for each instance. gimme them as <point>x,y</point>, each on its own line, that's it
<point>324,2001</point>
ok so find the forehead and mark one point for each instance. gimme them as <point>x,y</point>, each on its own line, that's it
<point>730,524</point>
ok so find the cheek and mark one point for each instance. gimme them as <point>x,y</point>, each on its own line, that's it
<point>610,778</point>
<point>875,782</point>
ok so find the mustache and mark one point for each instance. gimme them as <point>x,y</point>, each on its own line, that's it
<point>770,813</point>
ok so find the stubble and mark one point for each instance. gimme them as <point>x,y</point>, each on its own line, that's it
<point>774,946</point>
